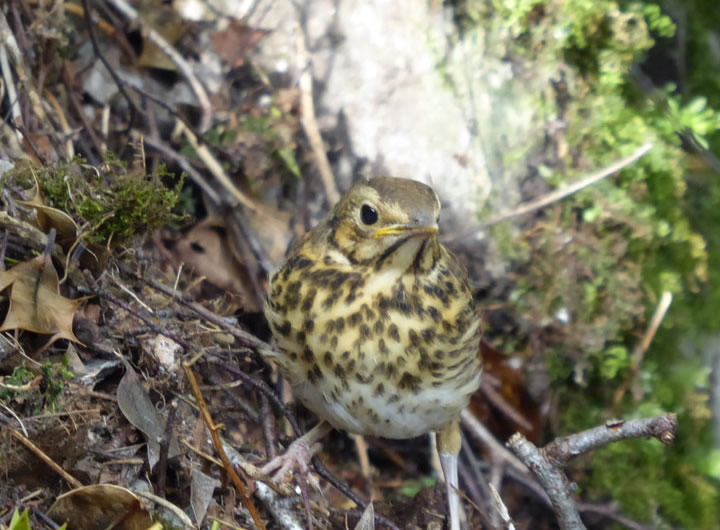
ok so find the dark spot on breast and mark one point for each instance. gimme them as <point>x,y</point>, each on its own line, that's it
<point>314,374</point>
<point>293,356</point>
<point>390,370</point>
<point>330,326</point>
<point>308,301</point>
<point>308,355</point>
<point>300,336</point>
<point>434,313</point>
<point>365,332</point>
<point>450,288</point>
<point>394,398</point>
<point>354,319</point>
<point>383,347</point>
<point>447,326</point>
<point>394,333</point>
<point>301,262</point>
<point>350,298</point>
<point>331,299</point>
<point>308,325</point>
<point>379,327</point>
<point>340,371</point>
<point>384,303</point>
<point>424,362</point>
<point>334,342</point>
<point>346,355</point>
<point>292,296</point>
<point>339,278</point>
<point>363,379</point>
<point>369,313</point>
<point>409,382</point>
<point>351,365</point>
<point>328,358</point>
<point>284,329</point>
<point>339,324</point>
<point>414,338</point>
<point>323,338</point>
<point>379,390</point>
<point>428,335</point>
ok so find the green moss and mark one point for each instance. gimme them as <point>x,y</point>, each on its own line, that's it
<point>592,271</point>
<point>111,205</point>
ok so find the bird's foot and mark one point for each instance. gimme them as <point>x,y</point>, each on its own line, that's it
<point>296,458</point>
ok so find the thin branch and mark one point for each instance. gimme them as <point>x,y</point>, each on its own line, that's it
<point>213,428</point>
<point>74,483</point>
<point>561,450</point>
<point>572,188</point>
<point>553,481</point>
<point>546,463</point>
<point>179,61</point>
<point>309,121</point>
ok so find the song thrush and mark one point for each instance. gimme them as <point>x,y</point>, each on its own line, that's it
<point>376,324</point>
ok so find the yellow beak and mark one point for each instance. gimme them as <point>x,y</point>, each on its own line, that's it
<point>411,230</point>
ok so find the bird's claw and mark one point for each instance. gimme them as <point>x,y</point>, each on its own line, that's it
<point>296,457</point>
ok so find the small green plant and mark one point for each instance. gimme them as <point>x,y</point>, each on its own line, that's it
<point>55,374</point>
<point>111,205</point>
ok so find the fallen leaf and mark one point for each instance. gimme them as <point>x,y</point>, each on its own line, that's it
<point>101,506</point>
<point>202,487</point>
<point>235,42</point>
<point>208,252</point>
<point>48,217</point>
<point>36,304</point>
<point>138,408</point>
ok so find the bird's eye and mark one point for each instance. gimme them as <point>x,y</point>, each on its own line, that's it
<point>368,214</point>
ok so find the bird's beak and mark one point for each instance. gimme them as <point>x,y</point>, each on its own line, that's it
<point>408,230</point>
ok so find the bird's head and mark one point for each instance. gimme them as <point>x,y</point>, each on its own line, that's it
<point>385,220</point>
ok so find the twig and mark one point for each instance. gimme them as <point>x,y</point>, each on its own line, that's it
<point>185,165</point>
<point>639,354</point>
<point>74,483</point>
<point>215,167</point>
<point>181,515</point>
<point>546,463</point>
<point>213,428</point>
<point>484,436</point>
<point>553,481</point>
<point>164,46</point>
<point>309,121</point>
<point>496,399</point>
<point>660,427</point>
<point>246,339</point>
<point>87,15</point>
<point>555,195</point>
<point>572,188</point>
<point>501,509</point>
<point>10,86</point>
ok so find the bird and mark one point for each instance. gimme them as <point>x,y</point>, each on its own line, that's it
<point>376,326</point>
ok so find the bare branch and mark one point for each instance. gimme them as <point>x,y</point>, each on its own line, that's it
<point>546,463</point>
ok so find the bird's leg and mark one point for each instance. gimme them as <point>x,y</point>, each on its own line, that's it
<point>299,454</point>
<point>448,446</point>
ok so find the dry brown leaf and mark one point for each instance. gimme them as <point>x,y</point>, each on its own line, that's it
<point>48,217</point>
<point>101,506</point>
<point>235,42</point>
<point>207,251</point>
<point>35,301</point>
<point>165,20</point>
